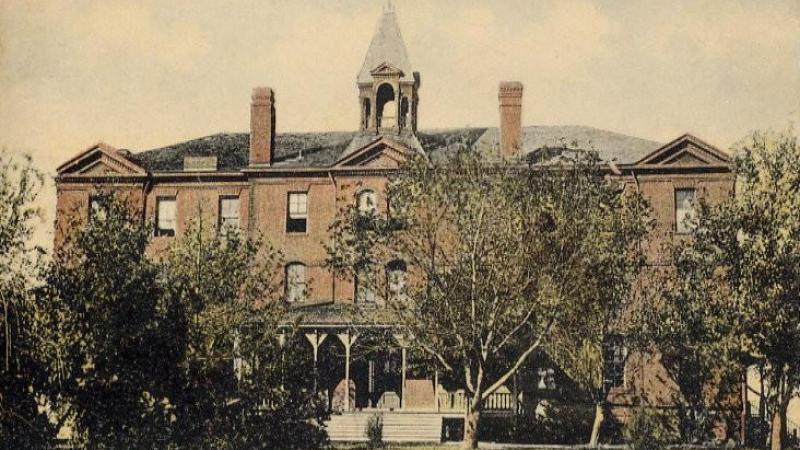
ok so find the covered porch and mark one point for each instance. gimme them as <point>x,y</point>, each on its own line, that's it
<point>363,363</point>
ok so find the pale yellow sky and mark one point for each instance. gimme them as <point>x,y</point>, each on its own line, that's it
<point>142,74</point>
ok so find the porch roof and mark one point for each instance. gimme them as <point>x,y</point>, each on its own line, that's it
<point>341,315</point>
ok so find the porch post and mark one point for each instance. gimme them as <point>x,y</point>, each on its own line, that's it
<point>403,390</point>
<point>436,390</point>
<point>403,345</point>
<point>282,343</point>
<point>347,340</point>
<point>316,339</point>
<point>515,393</point>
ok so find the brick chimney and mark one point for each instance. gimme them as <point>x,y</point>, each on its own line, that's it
<point>262,126</point>
<point>510,96</point>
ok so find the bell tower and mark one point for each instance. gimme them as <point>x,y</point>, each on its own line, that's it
<point>387,87</point>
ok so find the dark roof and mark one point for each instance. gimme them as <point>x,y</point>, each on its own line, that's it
<point>324,149</point>
<point>341,314</point>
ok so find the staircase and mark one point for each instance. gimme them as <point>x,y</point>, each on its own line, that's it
<point>397,427</point>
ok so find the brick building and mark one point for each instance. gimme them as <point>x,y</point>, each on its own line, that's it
<point>287,187</point>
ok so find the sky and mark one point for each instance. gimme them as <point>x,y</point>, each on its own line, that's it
<point>145,74</point>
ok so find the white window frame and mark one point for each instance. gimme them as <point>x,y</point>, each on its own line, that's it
<point>363,292</point>
<point>296,210</point>
<point>684,212</point>
<point>161,211</point>
<point>396,278</point>
<point>367,202</point>
<point>98,208</point>
<point>295,285</point>
<point>227,219</point>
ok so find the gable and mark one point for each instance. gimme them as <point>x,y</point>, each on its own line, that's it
<point>100,160</point>
<point>382,153</point>
<point>687,150</point>
<point>386,69</point>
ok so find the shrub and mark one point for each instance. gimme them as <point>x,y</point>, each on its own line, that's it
<point>648,429</point>
<point>375,432</point>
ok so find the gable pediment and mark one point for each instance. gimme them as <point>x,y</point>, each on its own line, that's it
<point>387,70</point>
<point>687,150</point>
<point>380,154</point>
<point>100,160</point>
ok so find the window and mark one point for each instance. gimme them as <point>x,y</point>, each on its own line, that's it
<point>396,278</point>
<point>614,354</point>
<point>365,291</point>
<point>295,282</point>
<point>547,378</point>
<point>684,210</point>
<point>97,208</point>
<point>297,214</point>
<point>165,216</point>
<point>228,213</point>
<point>367,202</point>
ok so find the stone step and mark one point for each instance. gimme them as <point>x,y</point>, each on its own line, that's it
<point>396,427</point>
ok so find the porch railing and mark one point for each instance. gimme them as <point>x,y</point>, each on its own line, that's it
<point>457,402</point>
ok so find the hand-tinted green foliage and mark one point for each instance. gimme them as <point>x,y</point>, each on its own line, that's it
<point>21,374</point>
<point>240,387</point>
<point>736,295</point>
<point>689,324</point>
<point>618,220</point>
<point>498,255</point>
<point>180,352</point>
<point>649,429</point>
<point>107,343</point>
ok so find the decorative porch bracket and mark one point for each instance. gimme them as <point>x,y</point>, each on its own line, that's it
<point>348,340</point>
<point>316,339</point>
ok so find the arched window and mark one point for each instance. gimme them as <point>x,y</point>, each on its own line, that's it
<point>396,278</point>
<point>385,106</point>
<point>367,202</point>
<point>295,282</point>
<point>365,290</point>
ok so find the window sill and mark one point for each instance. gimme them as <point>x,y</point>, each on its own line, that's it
<point>296,233</point>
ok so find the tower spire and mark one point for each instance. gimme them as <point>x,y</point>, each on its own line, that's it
<point>387,83</point>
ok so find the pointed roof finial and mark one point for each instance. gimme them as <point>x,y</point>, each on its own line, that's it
<point>387,46</point>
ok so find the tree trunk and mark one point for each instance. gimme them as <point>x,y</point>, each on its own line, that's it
<point>778,427</point>
<point>599,417</point>
<point>471,420</point>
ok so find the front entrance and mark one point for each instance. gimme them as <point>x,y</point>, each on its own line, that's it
<point>374,367</point>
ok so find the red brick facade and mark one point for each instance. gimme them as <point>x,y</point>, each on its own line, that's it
<point>263,172</point>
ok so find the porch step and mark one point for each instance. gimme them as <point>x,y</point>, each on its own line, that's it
<point>397,427</point>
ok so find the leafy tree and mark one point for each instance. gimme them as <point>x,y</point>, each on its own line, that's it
<point>106,340</point>
<point>223,294</point>
<point>752,245</point>
<point>497,255</point>
<point>21,374</point>
<point>590,330</point>
<point>689,324</point>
